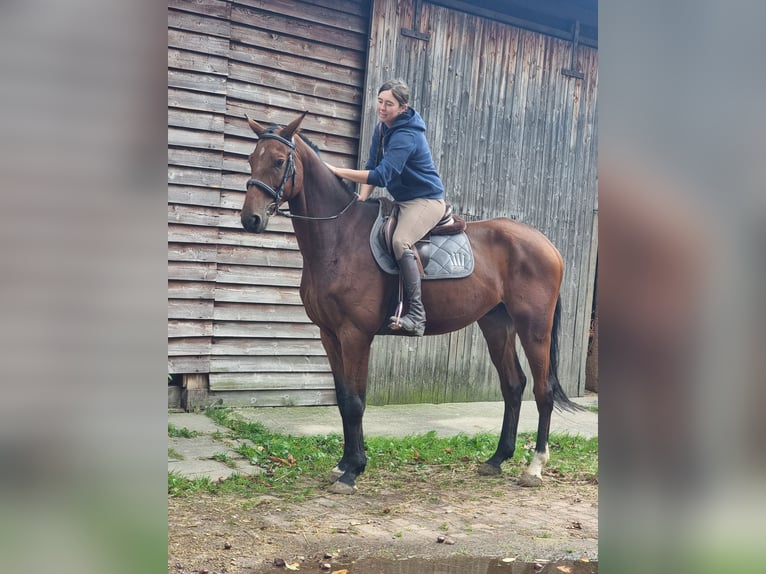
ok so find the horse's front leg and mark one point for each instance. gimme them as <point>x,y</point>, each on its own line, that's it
<point>349,359</point>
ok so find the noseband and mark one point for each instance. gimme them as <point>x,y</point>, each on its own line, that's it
<point>278,193</point>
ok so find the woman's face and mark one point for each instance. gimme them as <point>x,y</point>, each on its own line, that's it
<point>389,107</point>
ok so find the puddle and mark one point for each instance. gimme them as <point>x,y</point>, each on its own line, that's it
<point>463,565</point>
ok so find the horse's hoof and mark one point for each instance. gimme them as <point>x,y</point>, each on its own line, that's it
<point>530,480</point>
<point>487,469</point>
<point>339,487</point>
<point>334,474</point>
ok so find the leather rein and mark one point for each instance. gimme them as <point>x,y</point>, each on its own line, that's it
<point>278,194</point>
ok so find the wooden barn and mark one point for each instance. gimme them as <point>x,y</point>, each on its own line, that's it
<point>508,91</point>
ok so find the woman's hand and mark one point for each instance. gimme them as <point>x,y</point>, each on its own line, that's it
<point>332,168</point>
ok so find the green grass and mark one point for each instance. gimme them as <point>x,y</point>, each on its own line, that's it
<point>295,466</point>
<point>176,432</point>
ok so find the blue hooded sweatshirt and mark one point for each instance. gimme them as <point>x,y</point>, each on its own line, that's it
<point>406,168</point>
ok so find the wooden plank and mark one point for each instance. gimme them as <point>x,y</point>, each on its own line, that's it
<point>268,113</point>
<point>192,234</point>
<point>199,23</point>
<point>191,271</point>
<point>196,62</point>
<point>185,328</point>
<point>201,82</point>
<point>187,195</point>
<point>326,142</point>
<point>198,101</point>
<point>190,290</point>
<point>262,330</point>
<point>259,312</point>
<point>195,158</point>
<point>245,93</point>
<point>255,275</point>
<point>299,19</point>
<point>188,346</point>
<point>321,70</point>
<point>195,139</point>
<point>269,364</point>
<point>357,7</point>
<point>265,257</point>
<point>281,398</point>
<point>193,176</point>
<point>192,215</point>
<point>270,381</point>
<point>178,118</point>
<point>193,364</point>
<point>202,43</point>
<point>278,79</point>
<point>194,252</point>
<point>211,8</point>
<point>195,309</point>
<point>268,347</point>
<point>279,236</point>
<point>258,294</point>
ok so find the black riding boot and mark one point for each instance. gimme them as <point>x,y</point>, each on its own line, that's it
<point>415,320</point>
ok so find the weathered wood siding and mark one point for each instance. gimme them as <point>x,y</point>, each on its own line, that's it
<point>233,305</point>
<point>511,136</point>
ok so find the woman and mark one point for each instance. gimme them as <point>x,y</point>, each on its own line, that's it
<point>400,160</point>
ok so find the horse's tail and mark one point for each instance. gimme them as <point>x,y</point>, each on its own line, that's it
<point>560,399</point>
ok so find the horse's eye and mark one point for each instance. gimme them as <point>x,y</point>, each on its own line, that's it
<point>279,163</point>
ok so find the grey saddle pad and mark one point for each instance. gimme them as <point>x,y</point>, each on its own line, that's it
<point>450,256</point>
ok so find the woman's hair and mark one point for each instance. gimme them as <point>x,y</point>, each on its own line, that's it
<point>399,89</point>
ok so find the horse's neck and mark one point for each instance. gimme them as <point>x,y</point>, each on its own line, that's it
<point>322,196</point>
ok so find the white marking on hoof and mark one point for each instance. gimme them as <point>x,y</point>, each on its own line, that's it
<point>334,474</point>
<point>533,475</point>
<point>338,487</point>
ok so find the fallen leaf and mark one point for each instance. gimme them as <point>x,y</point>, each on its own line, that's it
<point>584,559</point>
<point>293,566</point>
<point>567,569</point>
<point>344,571</point>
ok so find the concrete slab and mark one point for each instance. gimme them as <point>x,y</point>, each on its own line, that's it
<point>195,422</point>
<point>403,420</point>
<point>192,458</point>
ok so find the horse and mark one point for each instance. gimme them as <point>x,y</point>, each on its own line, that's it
<point>512,291</point>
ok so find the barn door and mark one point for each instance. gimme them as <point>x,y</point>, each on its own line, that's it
<point>512,136</point>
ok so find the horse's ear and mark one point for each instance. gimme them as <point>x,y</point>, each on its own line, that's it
<point>290,130</point>
<point>255,126</point>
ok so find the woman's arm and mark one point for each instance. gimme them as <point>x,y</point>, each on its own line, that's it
<point>365,190</point>
<point>355,175</point>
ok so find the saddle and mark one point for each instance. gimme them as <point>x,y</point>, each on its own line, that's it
<point>444,252</point>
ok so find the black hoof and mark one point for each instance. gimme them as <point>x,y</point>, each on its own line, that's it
<point>487,469</point>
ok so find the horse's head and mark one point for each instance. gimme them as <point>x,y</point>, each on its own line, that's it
<point>275,174</point>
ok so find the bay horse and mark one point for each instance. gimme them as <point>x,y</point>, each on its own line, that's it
<point>513,290</point>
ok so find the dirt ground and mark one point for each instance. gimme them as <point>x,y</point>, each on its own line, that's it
<point>392,518</point>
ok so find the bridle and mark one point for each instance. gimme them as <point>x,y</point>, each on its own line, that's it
<point>278,194</point>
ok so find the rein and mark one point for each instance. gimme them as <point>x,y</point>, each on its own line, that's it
<point>278,193</point>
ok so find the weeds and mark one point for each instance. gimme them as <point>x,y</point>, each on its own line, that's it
<point>295,466</point>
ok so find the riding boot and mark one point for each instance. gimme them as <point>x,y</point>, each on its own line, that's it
<point>415,320</point>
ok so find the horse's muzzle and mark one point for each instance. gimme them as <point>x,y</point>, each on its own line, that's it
<point>254,223</point>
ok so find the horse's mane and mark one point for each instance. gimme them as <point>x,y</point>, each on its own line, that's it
<point>274,127</point>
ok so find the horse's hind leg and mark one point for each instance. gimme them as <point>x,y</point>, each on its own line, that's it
<point>535,336</point>
<point>499,332</point>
